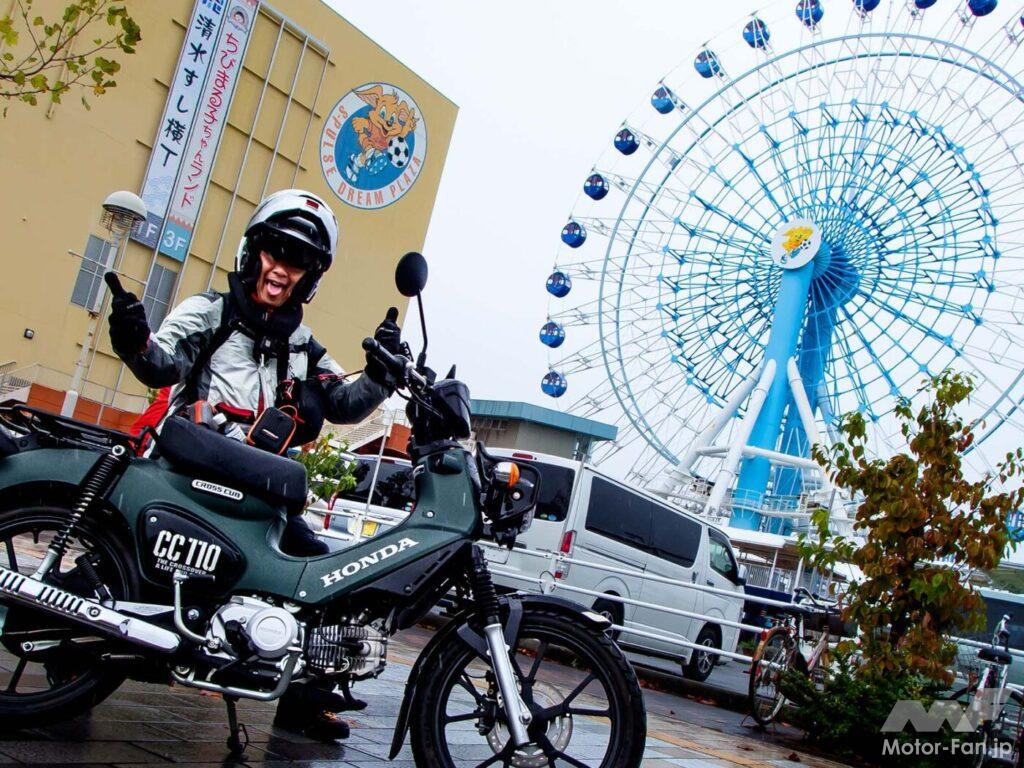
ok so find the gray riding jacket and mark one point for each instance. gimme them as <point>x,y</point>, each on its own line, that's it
<point>235,378</point>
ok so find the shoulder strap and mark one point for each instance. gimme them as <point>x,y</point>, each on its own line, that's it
<point>220,335</point>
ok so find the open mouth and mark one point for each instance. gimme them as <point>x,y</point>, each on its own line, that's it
<point>275,288</point>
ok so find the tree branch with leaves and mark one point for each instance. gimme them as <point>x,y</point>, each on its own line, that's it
<point>925,526</point>
<point>39,59</point>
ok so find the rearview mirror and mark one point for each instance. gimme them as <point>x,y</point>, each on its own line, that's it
<point>411,274</point>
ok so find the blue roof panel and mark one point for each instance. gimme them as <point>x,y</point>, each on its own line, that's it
<point>508,409</point>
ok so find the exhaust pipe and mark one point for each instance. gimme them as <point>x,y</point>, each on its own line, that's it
<point>32,593</point>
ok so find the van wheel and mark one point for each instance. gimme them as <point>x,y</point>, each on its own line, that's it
<point>612,611</point>
<point>702,663</point>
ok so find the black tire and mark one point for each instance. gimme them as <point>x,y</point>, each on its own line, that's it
<point>702,663</point>
<point>774,655</point>
<point>552,633</point>
<point>612,611</point>
<point>78,681</point>
<point>1008,730</point>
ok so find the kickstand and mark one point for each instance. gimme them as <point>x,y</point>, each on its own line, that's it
<point>238,738</point>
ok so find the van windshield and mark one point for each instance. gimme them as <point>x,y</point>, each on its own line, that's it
<point>394,489</point>
<point>555,490</point>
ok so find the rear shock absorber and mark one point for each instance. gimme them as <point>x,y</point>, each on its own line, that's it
<point>95,486</point>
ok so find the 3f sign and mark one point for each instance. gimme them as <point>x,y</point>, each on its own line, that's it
<point>173,242</point>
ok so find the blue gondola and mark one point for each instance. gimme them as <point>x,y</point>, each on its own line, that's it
<point>554,384</point>
<point>552,334</point>
<point>626,142</point>
<point>559,284</point>
<point>707,64</point>
<point>866,6</point>
<point>662,100</point>
<point>756,33</point>
<point>982,7</point>
<point>809,12</point>
<point>574,235</point>
<point>922,4</point>
<point>595,187</point>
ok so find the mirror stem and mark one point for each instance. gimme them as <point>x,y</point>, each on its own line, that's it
<point>421,361</point>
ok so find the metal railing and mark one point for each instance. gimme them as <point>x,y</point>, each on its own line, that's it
<point>14,380</point>
<point>546,583</point>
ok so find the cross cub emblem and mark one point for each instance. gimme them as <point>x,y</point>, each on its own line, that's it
<point>351,569</point>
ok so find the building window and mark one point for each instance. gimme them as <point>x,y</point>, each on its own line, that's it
<point>159,289</point>
<point>97,257</point>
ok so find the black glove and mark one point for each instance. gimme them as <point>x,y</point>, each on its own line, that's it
<point>389,336</point>
<point>129,330</point>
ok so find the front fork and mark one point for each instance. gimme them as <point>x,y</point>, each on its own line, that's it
<point>519,717</point>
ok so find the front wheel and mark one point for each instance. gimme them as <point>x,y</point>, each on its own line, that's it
<point>771,660</point>
<point>582,692</point>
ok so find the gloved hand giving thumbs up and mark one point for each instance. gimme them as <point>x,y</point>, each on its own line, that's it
<point>389,336</point>
<point>129,330</point>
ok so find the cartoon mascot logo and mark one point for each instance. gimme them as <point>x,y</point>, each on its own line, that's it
<point>373,146</point>
<point>796,238</point>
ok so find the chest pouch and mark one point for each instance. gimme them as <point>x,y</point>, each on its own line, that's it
<point>273,429</point>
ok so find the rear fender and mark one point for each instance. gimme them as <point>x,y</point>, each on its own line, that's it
<point>513,607</point>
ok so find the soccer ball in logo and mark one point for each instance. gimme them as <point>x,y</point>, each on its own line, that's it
<point>398,151</point>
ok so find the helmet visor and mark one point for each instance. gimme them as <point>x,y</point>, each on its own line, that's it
<point>290,251</point>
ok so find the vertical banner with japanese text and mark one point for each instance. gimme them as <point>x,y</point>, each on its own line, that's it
<point>214,105</point>
<point>175,124</point>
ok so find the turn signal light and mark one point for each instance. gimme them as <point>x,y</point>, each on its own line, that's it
<point>507,473</point>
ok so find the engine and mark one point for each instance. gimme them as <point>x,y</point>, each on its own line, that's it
<point>356,649</point>
<point>258,627</point>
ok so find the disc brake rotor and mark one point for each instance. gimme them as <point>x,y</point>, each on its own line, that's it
<point>559,732</point>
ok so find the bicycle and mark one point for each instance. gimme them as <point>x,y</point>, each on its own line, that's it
<point>787,646</point>
<point>995,705</point>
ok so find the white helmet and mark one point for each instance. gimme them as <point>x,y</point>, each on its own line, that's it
<point>294,226</point>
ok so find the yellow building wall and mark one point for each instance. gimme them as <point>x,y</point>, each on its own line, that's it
<point>58,164</point>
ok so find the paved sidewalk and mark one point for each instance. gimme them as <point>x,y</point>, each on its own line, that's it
<point>147,725</point>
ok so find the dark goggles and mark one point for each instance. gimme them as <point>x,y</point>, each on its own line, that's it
<point>289,251</point>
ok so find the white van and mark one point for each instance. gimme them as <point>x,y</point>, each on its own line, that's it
<point>594,518</point>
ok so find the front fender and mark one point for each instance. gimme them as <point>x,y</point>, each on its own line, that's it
<point>459,629</point>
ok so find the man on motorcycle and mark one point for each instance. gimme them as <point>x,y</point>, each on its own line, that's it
<point>245,350</point>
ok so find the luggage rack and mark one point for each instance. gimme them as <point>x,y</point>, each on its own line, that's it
<point>45,429</point>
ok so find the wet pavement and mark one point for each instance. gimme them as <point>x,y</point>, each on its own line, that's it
<point>148,725</point>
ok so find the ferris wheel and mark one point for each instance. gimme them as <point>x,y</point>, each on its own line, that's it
<point>812,214</point>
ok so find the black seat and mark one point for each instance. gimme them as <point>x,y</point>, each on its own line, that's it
<point>995,655</point>
<point>208,455</point>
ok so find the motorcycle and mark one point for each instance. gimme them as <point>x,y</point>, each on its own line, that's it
<point>167,569</point>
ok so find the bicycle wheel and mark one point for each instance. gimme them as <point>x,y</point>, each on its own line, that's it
<point>1007,733</point>
<point>771,659</point>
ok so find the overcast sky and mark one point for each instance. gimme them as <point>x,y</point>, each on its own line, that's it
<point>541,88</point>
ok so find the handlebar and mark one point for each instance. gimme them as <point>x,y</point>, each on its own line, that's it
<point>399,366</point>
<point>803,592</point>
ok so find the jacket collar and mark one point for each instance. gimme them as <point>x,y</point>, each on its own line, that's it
<point>278,325</point>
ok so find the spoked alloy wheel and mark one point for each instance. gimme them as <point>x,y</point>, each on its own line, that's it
<point>772,659</point>
<point>584,697</point>
<point>51,670</point>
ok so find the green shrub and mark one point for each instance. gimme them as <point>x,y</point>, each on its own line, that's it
<point>844,710</point>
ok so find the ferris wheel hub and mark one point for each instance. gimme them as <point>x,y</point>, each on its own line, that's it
<point>796,243</point>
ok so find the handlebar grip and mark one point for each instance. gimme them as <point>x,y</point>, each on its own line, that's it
<point>394,364</point>
<point>114,283</point>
